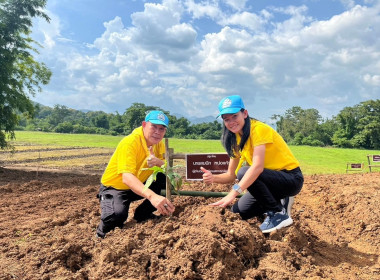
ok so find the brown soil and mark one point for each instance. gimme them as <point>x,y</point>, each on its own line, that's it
<point>48,221</point>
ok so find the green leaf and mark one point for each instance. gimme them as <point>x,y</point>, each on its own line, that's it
<point>174,178</point>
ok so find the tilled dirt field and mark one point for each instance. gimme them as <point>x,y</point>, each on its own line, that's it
<point>48,221</point>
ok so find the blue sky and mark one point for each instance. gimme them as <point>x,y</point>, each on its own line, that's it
<point>185,56</point>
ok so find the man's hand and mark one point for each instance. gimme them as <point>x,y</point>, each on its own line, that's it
<point>208,177</point>
<point>163,205</point>
<point>153,160</point>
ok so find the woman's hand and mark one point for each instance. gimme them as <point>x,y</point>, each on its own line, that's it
<point>225,201</point>
<point>208,177</point>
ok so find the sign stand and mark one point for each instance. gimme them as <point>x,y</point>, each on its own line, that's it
<point>374,163</point>
<point>354,167</point>
<point>218,164</point>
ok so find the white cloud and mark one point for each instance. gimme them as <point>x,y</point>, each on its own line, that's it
<point>296,21</point>
<point>158,30</point>
<point>333,100</point>
<point>348,3</point>
<point>49,32</point>
<point>204,9</point>
<point>236,4</point>
<point>270,62</point>
<point>247,20</point>
<point>372,80</point>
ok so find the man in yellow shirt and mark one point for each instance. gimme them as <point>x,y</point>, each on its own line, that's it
<point>123,180</point>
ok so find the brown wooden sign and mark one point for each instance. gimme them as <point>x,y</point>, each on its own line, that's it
<point>356,165</point>
<point>216,163</point>
<point>376,158</point>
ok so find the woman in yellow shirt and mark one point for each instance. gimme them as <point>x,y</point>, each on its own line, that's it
<point>263,164</point>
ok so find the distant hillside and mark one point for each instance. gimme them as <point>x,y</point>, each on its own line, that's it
<point>195,120</point>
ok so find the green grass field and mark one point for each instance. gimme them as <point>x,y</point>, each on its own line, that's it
<point>314,160</point>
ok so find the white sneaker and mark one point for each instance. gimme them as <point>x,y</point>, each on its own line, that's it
<point>287,203</point>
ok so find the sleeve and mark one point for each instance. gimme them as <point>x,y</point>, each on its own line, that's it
<point>262,134</point>
<point>127,156</point>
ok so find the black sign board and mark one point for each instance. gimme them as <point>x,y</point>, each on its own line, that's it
<point>216,163</point>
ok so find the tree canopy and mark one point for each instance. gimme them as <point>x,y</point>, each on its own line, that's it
<point>65,120</point>
<point>20,75</point>
<point>353,127</point>
<point>359,126</point>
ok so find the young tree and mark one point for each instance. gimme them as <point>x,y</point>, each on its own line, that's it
<point>20,74</point>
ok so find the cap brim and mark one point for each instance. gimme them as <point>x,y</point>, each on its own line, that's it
<point>229,111</point>
<point>158,122</point>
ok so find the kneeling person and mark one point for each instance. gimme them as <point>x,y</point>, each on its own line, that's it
<point>124,177</point>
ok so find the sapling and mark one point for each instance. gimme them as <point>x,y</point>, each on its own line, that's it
<point>174,178</point>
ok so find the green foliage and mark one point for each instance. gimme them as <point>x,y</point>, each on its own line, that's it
<point>353,127</point>
<point>20,74</point>
<point>58,115</point>
<point>206,131</point>
<point>359,126</point>
<point>174,178</point>
<point>51,120</point>
<point>135,115</point>
<point>65,127</point>
<point>356,127</point>
<point>102,121</point>
<point>297,122</point>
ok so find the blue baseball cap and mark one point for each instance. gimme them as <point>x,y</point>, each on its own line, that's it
<point>157,117</point>
<point>230,105</point>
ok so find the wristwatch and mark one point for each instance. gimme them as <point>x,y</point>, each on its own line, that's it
<point>237,188</point>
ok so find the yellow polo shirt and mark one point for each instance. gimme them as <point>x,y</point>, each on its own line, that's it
<point>130,156</point>
<point>277,153</point>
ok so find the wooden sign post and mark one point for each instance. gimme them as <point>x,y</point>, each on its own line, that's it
<point>375,162</point>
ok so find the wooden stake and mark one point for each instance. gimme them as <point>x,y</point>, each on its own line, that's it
<point>167,158</point>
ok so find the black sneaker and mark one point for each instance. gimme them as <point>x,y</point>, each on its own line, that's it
<point>287,203</point>
<point>151,216</point>
<point>98,236</point>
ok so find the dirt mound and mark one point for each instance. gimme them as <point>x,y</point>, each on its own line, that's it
<point>47,231</point>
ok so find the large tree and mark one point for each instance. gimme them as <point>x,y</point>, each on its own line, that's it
<point>135,115</point>
<point>297,123</point>
<point>359,126</point>
<point>20,75</point>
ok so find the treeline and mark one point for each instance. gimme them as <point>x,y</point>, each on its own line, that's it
<point>62,119</point>
<point>353,127</point>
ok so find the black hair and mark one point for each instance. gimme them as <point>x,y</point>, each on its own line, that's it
<point>229,138</point>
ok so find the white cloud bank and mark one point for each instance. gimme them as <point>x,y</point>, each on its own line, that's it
<point>164,59</point>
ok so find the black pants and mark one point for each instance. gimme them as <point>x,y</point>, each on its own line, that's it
<point>266,192</point>
<point>115,203</point>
